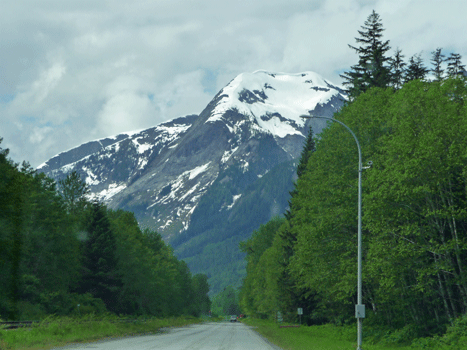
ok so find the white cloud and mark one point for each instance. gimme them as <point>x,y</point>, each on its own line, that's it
<point>122,112</point>
<point>30,97</point>
<point>39,134</point>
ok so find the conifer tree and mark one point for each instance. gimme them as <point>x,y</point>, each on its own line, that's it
<point>437,59</point>
<point>202,303</point>
<point>307,151</point>
<point>3,151</point>
<point>455,66</point>
<point>73,191</point>
<point>372,69</point>
<point>416,69</point>
<point>100,274</point>
<point>397,69</point>
<point>11,234</point>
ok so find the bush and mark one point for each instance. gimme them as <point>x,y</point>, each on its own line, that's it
<point>403,335</point>
<point>61,304</point>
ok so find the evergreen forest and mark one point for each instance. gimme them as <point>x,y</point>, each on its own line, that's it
<point>411,122</point>
<point>64,254</point>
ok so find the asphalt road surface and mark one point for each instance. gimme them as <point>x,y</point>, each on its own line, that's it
<point>209,336</point>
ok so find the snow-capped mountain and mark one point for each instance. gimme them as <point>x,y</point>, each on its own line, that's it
<point>189,177</point>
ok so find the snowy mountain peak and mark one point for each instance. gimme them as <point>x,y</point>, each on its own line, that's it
<point>275,101</point>
<point>205,180</point>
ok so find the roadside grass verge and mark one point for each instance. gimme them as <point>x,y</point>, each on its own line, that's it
<point>55,332</point>
<point>325,337</point>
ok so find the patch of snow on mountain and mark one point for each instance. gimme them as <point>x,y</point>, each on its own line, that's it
<point>91,178</point>
<point>192,210</point>
<point>111,191</point>
<point>277,127</point>
<point>167,224</point>
<point>142,162</point>
<point>189,192</point>
<point>169,133</point>
<point>69,167</point>
<point>227,154</point>
<point>234,200</point>
<point>172,131</point>
<point>274,101</point>
<point>175,186</point>
<point>141,147</point>
<point>41,166</point>
<point>198,170</point>
<point>116,146</point>
<point>244,166</point>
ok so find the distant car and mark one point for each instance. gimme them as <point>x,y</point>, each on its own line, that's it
<point>233,318</point>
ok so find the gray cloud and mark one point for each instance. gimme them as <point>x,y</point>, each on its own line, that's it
<point>75,71</point>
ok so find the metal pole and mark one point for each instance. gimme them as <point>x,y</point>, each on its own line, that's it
<point>359,308</point>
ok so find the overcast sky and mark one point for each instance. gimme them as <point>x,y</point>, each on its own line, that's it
<point>74,71</point>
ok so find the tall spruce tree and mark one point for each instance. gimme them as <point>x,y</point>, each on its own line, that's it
<point>308,148</point>
<point>437,59</point>
<point>100,277</point>
<point>455,66</point>
<point>373,68</point>
<point>416,69</point>
<point>397,67</point>
<point>307,151</point>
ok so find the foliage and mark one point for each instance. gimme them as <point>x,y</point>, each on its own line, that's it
<point>226,303</point>
<point>414,200</point>
<point>73,192</point>
<point>414,223</point>
<point>258,293</point>
<point>58,250</point>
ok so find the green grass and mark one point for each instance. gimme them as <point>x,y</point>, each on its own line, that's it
<point>326,337</point>
<point>55,332</point>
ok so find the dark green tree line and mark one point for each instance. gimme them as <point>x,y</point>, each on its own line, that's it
<point>414,223</point>
<point>58,249</point>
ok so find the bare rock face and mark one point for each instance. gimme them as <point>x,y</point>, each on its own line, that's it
<point>207,181</point>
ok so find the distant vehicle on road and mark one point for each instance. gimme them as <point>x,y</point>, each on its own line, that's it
<point>233,318</point>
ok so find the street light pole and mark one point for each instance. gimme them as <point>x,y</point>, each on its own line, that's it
<point>359,308</point>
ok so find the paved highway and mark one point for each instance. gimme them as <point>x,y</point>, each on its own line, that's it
<point>209,336</point>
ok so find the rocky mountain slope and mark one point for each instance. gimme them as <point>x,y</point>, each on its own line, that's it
<point>206,181</point>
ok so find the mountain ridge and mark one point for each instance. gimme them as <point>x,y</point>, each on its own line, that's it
<point>187,177</point>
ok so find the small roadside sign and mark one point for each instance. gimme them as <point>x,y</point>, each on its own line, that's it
<point>300,313</point>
